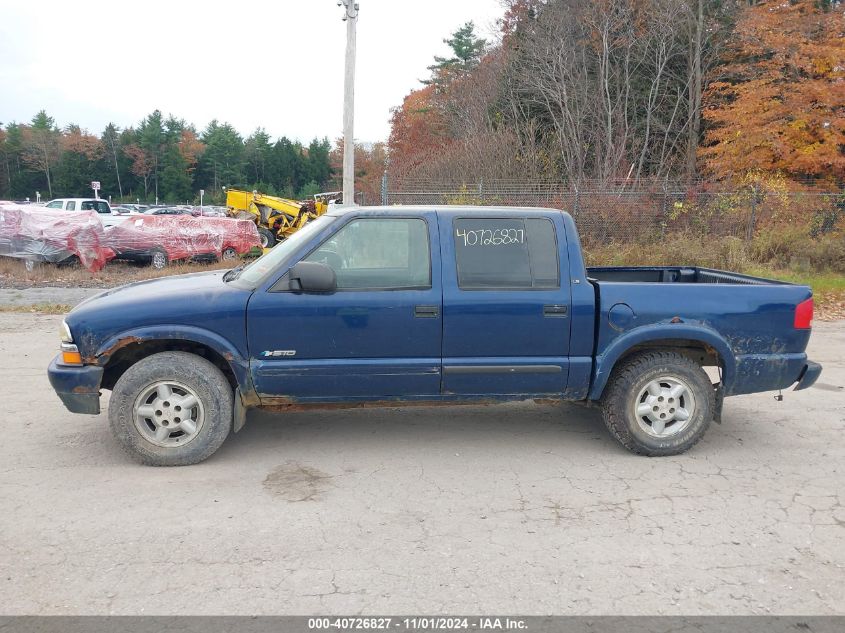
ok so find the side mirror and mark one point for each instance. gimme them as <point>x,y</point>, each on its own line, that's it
<point>312,277</point>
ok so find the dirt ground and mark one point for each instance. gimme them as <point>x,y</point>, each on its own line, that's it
<point>518,509</point>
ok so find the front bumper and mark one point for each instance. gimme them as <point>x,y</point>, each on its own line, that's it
<point>809,375</point>
<point>78,387</point>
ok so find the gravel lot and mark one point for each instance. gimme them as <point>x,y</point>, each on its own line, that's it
<point>518,509</point>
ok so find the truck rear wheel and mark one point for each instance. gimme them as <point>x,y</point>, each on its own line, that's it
<point>171,409</point>
<point>268,240</point>
<point>658,403</point>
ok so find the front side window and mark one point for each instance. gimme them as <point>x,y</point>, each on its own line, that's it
<point>55,204</point>
<point>506,253</point>
<point>261,268</point>
<point>378,254</point>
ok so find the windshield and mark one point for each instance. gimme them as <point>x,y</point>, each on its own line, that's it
<point>253,274</point>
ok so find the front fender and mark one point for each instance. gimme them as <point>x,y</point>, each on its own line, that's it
<point>607,359</point>
<point>193,334</point>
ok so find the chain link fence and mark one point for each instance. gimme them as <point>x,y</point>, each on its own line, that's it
<point>616,213</point>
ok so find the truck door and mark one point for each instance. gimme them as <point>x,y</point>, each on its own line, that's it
<point>506,303</point>
<point>377,337</point>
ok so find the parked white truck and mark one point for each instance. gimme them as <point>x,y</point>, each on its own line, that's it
<point>107,215</point>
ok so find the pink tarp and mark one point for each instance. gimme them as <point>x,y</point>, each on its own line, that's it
<point>39,234</point>
<point>182,236</point>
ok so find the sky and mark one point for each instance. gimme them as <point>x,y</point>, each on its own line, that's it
<point>277,65</point>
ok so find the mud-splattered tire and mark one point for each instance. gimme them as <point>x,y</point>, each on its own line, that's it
<point>268,240</point>
<point>636,404</point>
<point>146,417</point>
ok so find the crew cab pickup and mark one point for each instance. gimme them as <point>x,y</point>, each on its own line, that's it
<point>390,306</point>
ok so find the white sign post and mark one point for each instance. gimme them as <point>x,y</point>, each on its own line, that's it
<point>95,185</point>
<point>202,193</point>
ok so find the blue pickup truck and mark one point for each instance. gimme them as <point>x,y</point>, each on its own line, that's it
<point>387,306</point>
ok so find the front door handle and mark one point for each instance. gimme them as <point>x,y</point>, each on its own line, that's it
<point>426,312</point>
<point>555,311</point>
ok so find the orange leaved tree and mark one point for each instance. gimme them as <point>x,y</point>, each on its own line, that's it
<point>778,103</point>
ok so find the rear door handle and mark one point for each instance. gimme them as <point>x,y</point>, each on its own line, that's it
<point>426,312</point>
<point>553,311</point>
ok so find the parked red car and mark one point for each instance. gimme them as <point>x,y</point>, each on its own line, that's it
<point>37,234</point>
<point>161,239</point>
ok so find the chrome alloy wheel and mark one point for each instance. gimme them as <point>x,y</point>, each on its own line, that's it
<point>664,407</point>
<point>168,414</point>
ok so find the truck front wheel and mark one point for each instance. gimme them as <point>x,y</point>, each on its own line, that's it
<point>658,403</point>
<point>171,409</point>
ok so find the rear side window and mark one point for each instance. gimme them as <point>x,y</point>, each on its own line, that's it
<point>506,253</point>
<point>71,206</point>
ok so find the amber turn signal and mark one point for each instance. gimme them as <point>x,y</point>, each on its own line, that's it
<point>71,355</point>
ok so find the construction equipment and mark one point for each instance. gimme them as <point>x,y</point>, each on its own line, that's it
<point>328,197</point>
<point>276,218</point>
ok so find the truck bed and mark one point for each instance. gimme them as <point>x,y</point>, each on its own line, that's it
<point>674,274</point>
<point>750,317</point>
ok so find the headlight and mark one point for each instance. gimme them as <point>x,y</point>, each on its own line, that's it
<point>64,333</point>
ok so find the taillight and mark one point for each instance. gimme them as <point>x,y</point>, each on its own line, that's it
<point>804,315</point>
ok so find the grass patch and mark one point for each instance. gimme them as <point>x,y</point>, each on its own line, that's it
<point>820,282</point>
<point>786,255</point>
<point>39,308</point>
<point>13,273</point>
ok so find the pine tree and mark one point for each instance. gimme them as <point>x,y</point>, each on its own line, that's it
<point>467,50</point>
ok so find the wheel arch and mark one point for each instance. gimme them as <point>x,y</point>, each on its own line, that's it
<point>702,344</point>
<point>120,352</point>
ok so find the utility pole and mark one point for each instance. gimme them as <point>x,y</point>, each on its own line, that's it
<point>351,18</point>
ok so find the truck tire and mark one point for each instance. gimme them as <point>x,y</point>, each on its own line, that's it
<point>171,409</point>
<point>268,240</point>
<point>658,403</point>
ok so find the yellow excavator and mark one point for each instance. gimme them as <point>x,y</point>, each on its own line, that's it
<point>276,218</point>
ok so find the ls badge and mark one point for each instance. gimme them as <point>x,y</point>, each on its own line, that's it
<point>278,353</point>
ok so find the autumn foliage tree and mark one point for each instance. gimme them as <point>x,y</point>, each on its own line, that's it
<point>418,130</point>
<point>778,102</point>
<point>576,90</point>
<point>141,166</point>
<point>370,163</point>
<point>190,148</point>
